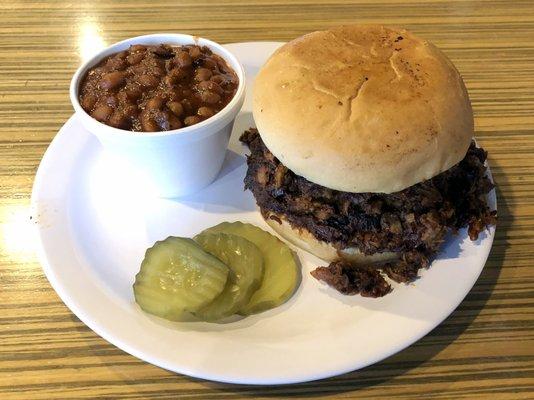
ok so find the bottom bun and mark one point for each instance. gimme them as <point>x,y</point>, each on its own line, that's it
<point>303,238</point>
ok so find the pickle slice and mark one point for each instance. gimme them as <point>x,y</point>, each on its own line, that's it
<point>245,262</point>
<point>281,275</point>
<point>178,277</point>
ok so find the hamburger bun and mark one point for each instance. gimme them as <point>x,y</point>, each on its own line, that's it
<point>363,108</point>
<point>305,240</point>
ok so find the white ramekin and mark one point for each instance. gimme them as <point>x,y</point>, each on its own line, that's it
<point>177,162</point>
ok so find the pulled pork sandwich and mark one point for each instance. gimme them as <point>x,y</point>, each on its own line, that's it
<point>364,154</point>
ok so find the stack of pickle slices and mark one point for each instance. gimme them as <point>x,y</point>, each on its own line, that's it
<point>231,268</point>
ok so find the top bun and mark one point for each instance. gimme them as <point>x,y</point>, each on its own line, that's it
<point>363,108</point>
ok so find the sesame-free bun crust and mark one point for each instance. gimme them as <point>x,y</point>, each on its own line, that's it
<point>305,240</point>
<point>363,108</point>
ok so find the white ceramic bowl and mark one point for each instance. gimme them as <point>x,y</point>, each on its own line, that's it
<point>177,162</point>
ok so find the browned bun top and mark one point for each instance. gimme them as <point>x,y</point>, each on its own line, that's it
<point>363,108</point>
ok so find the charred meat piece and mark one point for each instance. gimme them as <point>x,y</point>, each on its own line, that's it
<point>347,279</point>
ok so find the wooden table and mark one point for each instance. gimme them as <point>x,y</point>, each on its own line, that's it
<point>485,349</point>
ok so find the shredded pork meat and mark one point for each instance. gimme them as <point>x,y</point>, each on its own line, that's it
<point>412,223</point>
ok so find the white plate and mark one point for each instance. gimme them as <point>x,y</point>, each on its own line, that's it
<point>94,225</point>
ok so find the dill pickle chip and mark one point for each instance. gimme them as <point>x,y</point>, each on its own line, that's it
<point>178,277</point>
<point>281,274</point>
<point>245,262</point>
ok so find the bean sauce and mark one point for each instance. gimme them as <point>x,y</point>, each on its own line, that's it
<point>151,88</point>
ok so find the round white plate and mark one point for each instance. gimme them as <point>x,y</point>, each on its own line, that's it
<point>95,223</point>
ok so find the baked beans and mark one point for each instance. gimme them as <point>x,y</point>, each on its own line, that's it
<point>151,88</point>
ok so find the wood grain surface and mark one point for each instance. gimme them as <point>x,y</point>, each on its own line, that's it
<point>485,349</point>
